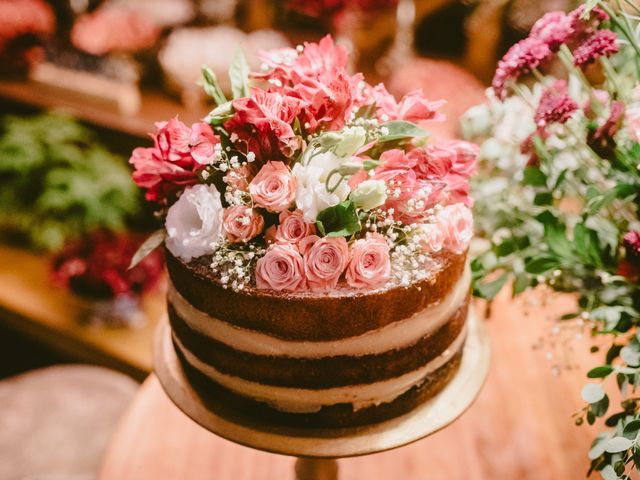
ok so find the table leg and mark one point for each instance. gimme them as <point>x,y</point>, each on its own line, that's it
<point>316,469</point>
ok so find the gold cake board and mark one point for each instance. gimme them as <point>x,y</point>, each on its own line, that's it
<point>224,421</point>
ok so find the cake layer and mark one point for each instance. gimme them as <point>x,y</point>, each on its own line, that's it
<point>335,416</point>
<point>313,316</point>
<point>392,336</point>
<point>321,372</point>
<point>305,400</point>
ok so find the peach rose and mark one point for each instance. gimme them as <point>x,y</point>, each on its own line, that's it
<point>457,223</point>
<point>282,268</point>
<point>324,260</point>
<point>274,187</point>
<point>293,228</point>
<point>242,223</point>
<point>432,237</point>
<point>369,266</point>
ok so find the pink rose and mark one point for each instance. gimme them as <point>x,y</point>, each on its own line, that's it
<point>273,188</point>
<point>457,190</point>
<point>263,124</point>
<point>242,223</point>
<point>282,268</point>
<point>369,265</point>
<point>456,222</point>
<point>293,228</point>
<point>433,162</point>
<point>432,237</point>
<point>178,154</point>
<point>324,260</point>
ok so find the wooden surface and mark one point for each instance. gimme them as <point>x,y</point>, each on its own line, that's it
<point>519,428</point>
<point>155,107</point>
<point>31,304</point>
<point>227,422</point>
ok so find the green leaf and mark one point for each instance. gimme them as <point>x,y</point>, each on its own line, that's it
<point>600,372</point>
<point>533,176</point>
<point>618,444</point>
<point>608,473</point>
<point>598,447</point>
<point>220,114</point>
<point>490,289</point>
<point>541,264</point>
<point>543,198</point>
<point>592,393</point>
<point>239,75</point>
<point>521,283</point>
<point>211,86</point>
<point>149,245</point>
<point>400,130</point>
<point>339,221</point>
<point>631,429</point>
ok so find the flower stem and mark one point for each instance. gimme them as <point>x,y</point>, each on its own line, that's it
<point>612,75</point>
<point>622,26</point>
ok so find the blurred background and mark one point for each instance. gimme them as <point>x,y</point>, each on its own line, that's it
<point>81,84</point>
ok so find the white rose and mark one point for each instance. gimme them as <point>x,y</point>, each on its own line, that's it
<point>194,222</point>
<point>312,195</point>
<point>369,194</point>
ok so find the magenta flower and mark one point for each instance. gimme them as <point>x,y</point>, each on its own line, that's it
<point>601,140</point>
<point>521,59</point>
<point>554,29</point>
<point>631,241</point>
<point>555,105</point>
<point>603,43</point>
<point>581,26</point>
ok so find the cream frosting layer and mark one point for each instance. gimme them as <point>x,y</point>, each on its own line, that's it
<point>302,400</point>
<point>391,337</point>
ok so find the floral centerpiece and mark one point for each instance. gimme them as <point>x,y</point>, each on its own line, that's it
<point>558,195</point>
<point>308,179</point>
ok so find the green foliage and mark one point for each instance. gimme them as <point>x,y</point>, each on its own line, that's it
<point>339,221</point>
<point>57,182</point>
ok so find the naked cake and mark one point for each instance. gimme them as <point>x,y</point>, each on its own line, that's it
<point>316,243</point>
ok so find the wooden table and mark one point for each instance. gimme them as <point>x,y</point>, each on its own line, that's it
<point>519,428</point>
<point>31,304</point>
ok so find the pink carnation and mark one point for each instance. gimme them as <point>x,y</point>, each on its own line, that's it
<point>521,59</point>
<point>242,223</point>
<point>292,227</point>
<point>369,264</point>
<point>179,152</point>
<point>556,106</point>
<point>603,43</point>
<point>281,269</point>
<point>433,162</point>
<point>413,107</point>
<point>273,188</point>
<point>408,196</point>
<point>263,124</point>
<point>324,260</point>
<point>318,77</point>
<point>456,222</point>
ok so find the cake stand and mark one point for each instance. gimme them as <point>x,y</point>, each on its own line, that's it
<point>318,449</point>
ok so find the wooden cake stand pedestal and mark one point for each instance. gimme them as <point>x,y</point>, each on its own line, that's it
<point>318,449</point>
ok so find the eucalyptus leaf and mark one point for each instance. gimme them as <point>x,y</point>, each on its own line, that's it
<point>399,130</point>
<point>490,289</point>
<point>239,75</point>
<point>608,473</point>
<point>592,393</point>
<point>618,444</point>
<point>600,372</point>
<point>149,245</point>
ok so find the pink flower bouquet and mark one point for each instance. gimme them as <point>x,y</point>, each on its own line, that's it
<point>309,179</point>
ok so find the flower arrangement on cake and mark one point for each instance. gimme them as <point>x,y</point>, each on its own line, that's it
<point>309,179</point>
<point>558,195</point>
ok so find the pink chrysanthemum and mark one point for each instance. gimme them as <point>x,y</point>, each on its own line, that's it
<point>554,29</point>
<point>555,105</point>
<point>596,17</point>
<point>521,59</point>
<point>603,43</point>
